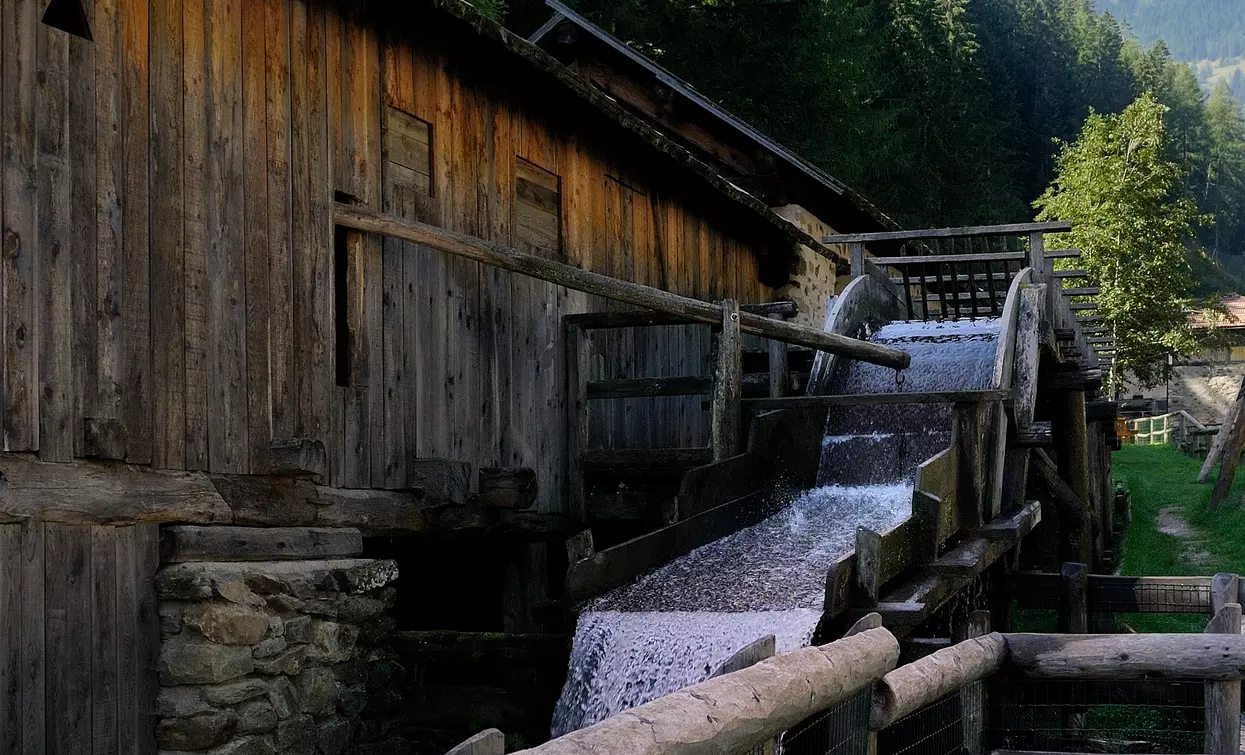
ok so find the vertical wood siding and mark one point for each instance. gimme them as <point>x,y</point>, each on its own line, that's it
<point>168,270</point>
<point>78,638</point>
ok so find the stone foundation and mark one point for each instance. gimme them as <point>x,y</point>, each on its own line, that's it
<point>275,657</point>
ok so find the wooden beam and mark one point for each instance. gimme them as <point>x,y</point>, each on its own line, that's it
<point>195,543</point>
<point>1013,229</point>
<point>942,259</point>
<point>1080,291</point>
<point>1065,274</point>
<point>1074,599</point>
<point>1090,318</point>
<point>1231,455</point>
<point>961,278</point>
<point>655,386</point>
<point>1062,254</point>
<point>633,458</point>
<point>1120,594</point>
<point>1231,420</point>
<point>749,655</point>
<point>1130,656</point>
<point>497,255</point>
<point>507,487</point>
<point>1080,306</point>
<point>1074,514</point>
<point>875,399</point>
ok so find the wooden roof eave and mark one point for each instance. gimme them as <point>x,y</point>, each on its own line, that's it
<point>547,64</point>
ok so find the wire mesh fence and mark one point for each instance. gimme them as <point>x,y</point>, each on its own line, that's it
<point>1095,716</point>
<point>840,730</point>
<point>954,725</point>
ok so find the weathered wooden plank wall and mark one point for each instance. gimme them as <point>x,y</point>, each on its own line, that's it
<point>79,638</point>
<point>174,294</point>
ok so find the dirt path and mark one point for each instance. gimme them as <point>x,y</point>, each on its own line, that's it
<point>1172,522</point>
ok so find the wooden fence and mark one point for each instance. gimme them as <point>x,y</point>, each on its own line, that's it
<point>79,638</point>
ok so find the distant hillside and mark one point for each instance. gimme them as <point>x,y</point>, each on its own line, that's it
<point>1193,29</point>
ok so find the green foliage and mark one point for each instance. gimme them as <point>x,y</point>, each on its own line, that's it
<point>1195,29</point>
<point>493,9</point>
<point>1123,195</point>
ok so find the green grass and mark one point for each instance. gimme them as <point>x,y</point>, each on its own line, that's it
<point>1160,477</point>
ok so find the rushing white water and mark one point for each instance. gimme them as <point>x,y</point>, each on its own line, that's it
<point>676,625</point>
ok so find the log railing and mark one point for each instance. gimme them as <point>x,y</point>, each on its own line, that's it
<point>939,699</point>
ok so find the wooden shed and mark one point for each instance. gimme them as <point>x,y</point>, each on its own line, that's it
<point>189,338</point>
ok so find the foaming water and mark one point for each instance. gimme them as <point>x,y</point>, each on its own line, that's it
<point>676,625</point>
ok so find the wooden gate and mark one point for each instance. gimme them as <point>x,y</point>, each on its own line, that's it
<point>79,638</point>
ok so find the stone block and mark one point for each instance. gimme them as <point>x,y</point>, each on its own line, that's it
<point>286,663</point>
<point>283,697</point>
<point>170,618</point>
<point>227,623</point>
<point>270,647</point>
<point>298,630</point>
<point>233,693</point>
<point>201,580</point>
<point>256,717</point>
<point>356,609</point>
<point>284,603</point>
<point>196,732</point>
<point>376,631</point>
<point>385,673</point>
<point>334,736</point>
<point>297,735</point>
<point>236,591</point>
<point>352,700</point>
<point>321,607</point>
<point>366,575</point>
<point>185,662</point>
<point>331,642</point>
<point>180,702</point>
<point>276,626</point>
<point>317,690</point>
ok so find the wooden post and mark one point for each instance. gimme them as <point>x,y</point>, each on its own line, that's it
<point>868,549</point>
<point>1216,445</point>
<point>969,484</point>
<point>1074,599</point>
<point>577,369</point>
<point>1072,447</point>
<point>1230,452</point>
<point>973,695</point>
<point>727,386</point>
<point>1223,698</point>
<point>778,371</point>
<point>1224,589</point>
<point>856,252</point>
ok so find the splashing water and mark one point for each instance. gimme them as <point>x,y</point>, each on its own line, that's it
<point>676,625</point>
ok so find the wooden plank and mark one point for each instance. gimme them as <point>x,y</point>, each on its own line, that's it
<point>868,547</point>
<point>875,399</point>
<point>1230,451</point>
<point>11,612</point>
<point>127,643</point>
<point>82,240</point>
<point>257,311</point>
<point>168,279</point>
<point>578,367</point>
<point>281,328</point>
<point>33,648</point>
<point>193,543</point>
<point>1062,254</point>
<point>398,384</point>
<point>658,386</point>
<point>147,635</point>
<point>749,655</point>
<point>1013,229</point>
<point>19,405</point>
<point>195,231</point>
<point>135,271</point>
<point>946,259</point>
<point>631,293</point>
<point>106,633</point>
<point>67,596</point>
<point>623,458</point>
<point>228,445</point>
<point>54,276</point>
<point>1080,291</point>
<point>507,487</point>
<point>626,319</point>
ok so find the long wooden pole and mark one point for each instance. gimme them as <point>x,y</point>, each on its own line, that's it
<point>1216,446</point>
<point>1231,457</point>
<point>497,255</point>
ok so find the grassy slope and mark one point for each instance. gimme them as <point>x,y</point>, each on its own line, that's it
<point>1160,477</point>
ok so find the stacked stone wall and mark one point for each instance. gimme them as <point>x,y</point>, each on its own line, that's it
<point>275,657</point>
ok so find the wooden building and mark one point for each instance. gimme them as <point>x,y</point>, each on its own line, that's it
<point>182,320</point>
